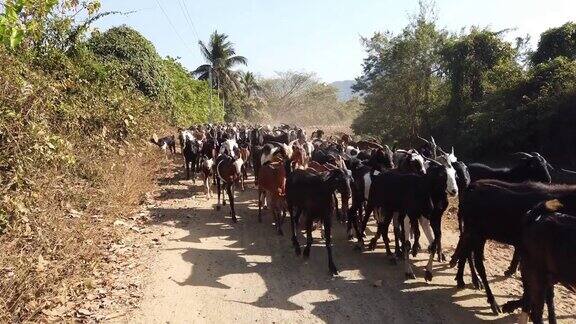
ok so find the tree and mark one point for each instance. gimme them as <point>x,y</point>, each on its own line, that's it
<point>137,55</point>
<point>249,84</point>
<point>554,42</point>
<point>400,79</point>
<point>221,57</point>
<point>468,60</point>
<point>293,97</point>
<point>190,100</point>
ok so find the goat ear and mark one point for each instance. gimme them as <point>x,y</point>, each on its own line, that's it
<point>553,205</point>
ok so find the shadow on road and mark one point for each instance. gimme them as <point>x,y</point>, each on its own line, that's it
<point>252,248</point>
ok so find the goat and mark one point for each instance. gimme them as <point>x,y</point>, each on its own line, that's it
<point>167,143</point>
<point>531,167</point>
<point>409,161</point>
<point>191,154</point>
<point>404,161</point>
<point>207,172</point>
<point>494,210</point>
<point>548,257</point>
<point>414,195</point>
<point>312,193</point>
<point>380,160</point>
<point>228,171</point>
<point>283,138</point>
<point>272,183</point>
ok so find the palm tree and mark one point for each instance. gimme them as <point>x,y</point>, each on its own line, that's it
<point>249,83</point>
<point>220,58</point>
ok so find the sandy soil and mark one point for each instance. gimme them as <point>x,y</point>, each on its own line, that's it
<point>209,270</point>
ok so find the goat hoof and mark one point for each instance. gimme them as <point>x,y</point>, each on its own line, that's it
<point>297,251</point>
<point>218,207</point>
<point>234,219</point>
<point>306,253</point>
<point>442,258</point>
<point>359,247</point>
<point>509,273</point>
<point>478,285</point>
<point>428,276</point>
<point>349,237</point>
<point>509,307</point>
<point>409,275</point>
<point>460,284</point>
<point>372,245</point>
<point>495,309</point>
<point>333,271</point>
<point>453,263</point>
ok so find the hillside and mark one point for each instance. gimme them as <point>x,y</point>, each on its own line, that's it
<point>344,89</point>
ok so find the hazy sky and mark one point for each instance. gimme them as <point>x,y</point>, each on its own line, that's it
<point>320,36</point>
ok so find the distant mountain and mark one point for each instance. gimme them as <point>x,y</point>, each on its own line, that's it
<point>344,89</point>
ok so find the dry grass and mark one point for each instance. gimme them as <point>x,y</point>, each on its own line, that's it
<point>52,256</point>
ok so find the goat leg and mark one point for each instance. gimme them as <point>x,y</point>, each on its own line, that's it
<point>259,206</point>
<point>294,225</point>
<point>219,191</point>
<point>230,191</point>
<point>308,236</point>
<point>550,305</point>
<point>513,264</point>
<point>416,231</point>
<point>479,264</point>
<point>328,231</point>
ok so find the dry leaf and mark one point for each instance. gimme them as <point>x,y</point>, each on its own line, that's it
<point>83,312</point>
<point>41,265</point>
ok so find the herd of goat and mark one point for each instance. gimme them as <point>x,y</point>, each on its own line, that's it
<point>527,206</point>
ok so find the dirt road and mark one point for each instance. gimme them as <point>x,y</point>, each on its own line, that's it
<point>212,271</point>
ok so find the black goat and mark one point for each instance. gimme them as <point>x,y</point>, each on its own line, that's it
<point>378,161</point>
<point>405,162</point>
<point>191,152</point>
<point>312,193</point>
<point>548,258</point>
<point>494,210</point>
<point>167,143</point>
<point>284,138</point>
<point>415,196</point>
<point>531,167</point>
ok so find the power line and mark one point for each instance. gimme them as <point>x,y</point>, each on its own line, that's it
<point>188,18</point>
<point>173,27</point>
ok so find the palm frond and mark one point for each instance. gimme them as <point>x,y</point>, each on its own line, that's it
<point>231,61</point>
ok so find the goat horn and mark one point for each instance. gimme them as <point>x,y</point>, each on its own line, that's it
<point>522,155</point>
<point>432,161</point>
<point>277,143</point>
<point>423,139</point>
<point>441,150</point>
